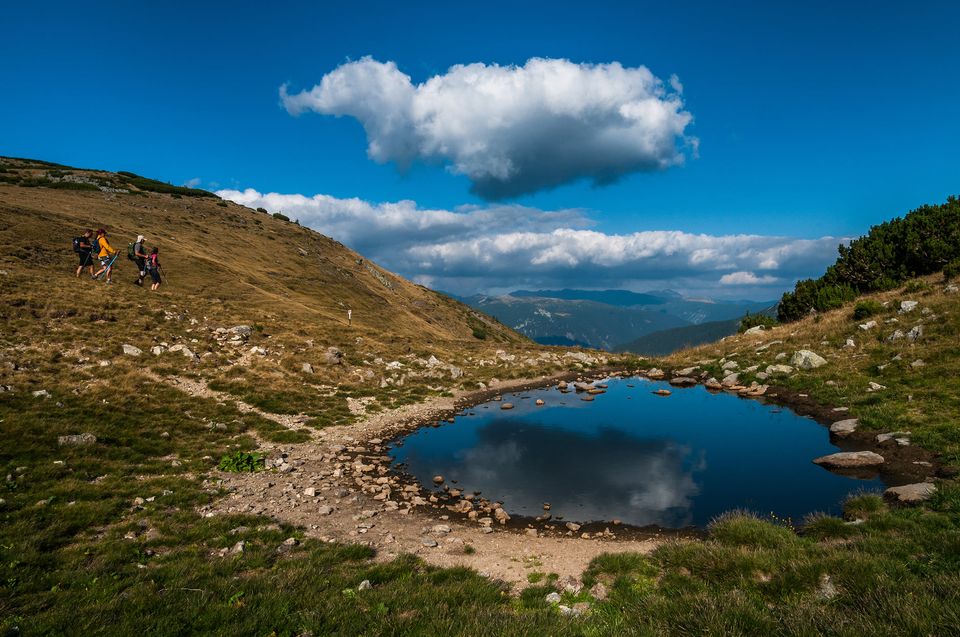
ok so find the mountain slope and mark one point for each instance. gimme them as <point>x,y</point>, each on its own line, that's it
<point>573,322</point>
<point>668,341</point>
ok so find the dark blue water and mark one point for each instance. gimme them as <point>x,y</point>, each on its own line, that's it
<point>672,461</point>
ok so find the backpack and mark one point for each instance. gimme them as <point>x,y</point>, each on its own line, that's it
<point>76,244</point>
<point>96,245</point>
<point>131,252</point>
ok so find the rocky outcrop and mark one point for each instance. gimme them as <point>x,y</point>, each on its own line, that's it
<point>77,440</point>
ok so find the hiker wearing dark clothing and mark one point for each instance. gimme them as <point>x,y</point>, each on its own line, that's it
<point>153,267</point>
<point>84,249</point>
<point>140,256</point>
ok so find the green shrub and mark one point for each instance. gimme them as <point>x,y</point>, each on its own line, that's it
<point>263,210</point>
<point>753,320</point>
<point>242,462</point>
<point>924,241</point>
<point>917,287</point>
<point>951,270</point>
<point>866,309</point>
<point>281,216</point>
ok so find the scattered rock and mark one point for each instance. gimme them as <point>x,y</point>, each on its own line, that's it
<point>599,591</point>
<point>77,440</point>
<point>307,368</point>
<point>757,329</point>
<point>843,428</point>
<point>875,386</point>
<point>850,459</point>
<point>553,598</point>
<point>438,479</point>
<point>573,526</point>
<point>365,585</point>
<point>915,333</point>
<point>907,306</point>
<point>806,359</point>
<point>310,492</point>
<point>826,589</point>
<point>41,393</point>
<point>325,509</point>
<point>539,402</point>
<point>682,381</point>
<point>658,392</point>
<point>912,493</point>
<point>429,542</point>
<point>334,356</point>
<point>130,350</point>
<point>730,380</point>
<point>506,406</point>
<point>869,325</point>
<point>713,383</point>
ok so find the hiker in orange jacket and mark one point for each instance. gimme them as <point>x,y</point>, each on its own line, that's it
<point>105,255</point>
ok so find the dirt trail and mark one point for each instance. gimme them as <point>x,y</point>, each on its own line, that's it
<point>340,510</point>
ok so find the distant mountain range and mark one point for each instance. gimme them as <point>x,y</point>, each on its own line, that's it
<point>619,320</point>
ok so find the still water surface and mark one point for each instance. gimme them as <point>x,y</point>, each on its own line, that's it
<point>671,461</point>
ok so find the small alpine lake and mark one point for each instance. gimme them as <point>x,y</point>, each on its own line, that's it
<point>671,461</point>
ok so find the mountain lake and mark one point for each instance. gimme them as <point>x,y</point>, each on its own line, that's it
<point>670,461</point>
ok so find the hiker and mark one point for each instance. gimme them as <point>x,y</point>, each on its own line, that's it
<point>104,253</point>
<point>139,254</point>
<point>153,267</point>
<point>84,249</point>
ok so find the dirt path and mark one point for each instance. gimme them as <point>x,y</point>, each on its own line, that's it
<point>324,486</point>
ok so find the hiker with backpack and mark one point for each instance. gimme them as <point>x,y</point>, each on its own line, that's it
<point>137,253</point>
<point>153,267</point>
<point>106,254</point>
<point>84,249</point>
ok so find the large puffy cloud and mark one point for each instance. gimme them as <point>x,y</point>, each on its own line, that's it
<point>512,129</point>
<point>497,248</point>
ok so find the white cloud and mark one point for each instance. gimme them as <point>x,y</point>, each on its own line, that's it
<point>192,183</point>
<point>512,129</point>
<point>502,247</point>
<point>746,278</point>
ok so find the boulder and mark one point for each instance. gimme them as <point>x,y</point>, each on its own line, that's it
<point>806,359</point>
<point>77,440</point>
<point>850,460</point>
<point>869,325</point>
<point>915,333</point>
<point>130,350</point>
<point>844,428</point>
<point>683,381</point>
<point>333,356</point>
<point>730,380</point>
<point>757,329</point>
<point>911,493</point>
<point>506,406</point>
<point>729,365</point>
<point>908,306</point>
<point>713,383</point>
<point>307,368</point>
<point>655,373</point>
<point>662,392</point>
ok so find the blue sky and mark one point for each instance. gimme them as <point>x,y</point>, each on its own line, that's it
<point>813,120</point>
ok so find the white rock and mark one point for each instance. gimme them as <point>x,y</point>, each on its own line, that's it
<point>307,368</point>
<point>553,598</point>
<point>131,350</point>
<point>869,325</point>
<point>779,369</point>
<point>850,459</point>
<point>908,306</point>
<point>912,493</point>
<point>806,359</point>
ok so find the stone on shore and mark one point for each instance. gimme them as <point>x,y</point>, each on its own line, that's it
<point>911,493</point>
<point>850,460</point>
<point>843,428</point>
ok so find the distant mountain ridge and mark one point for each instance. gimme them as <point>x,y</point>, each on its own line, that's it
<point>608,319</point>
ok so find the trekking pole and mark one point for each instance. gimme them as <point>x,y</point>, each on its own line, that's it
<point>163,272</point>
<point>109,265</point>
